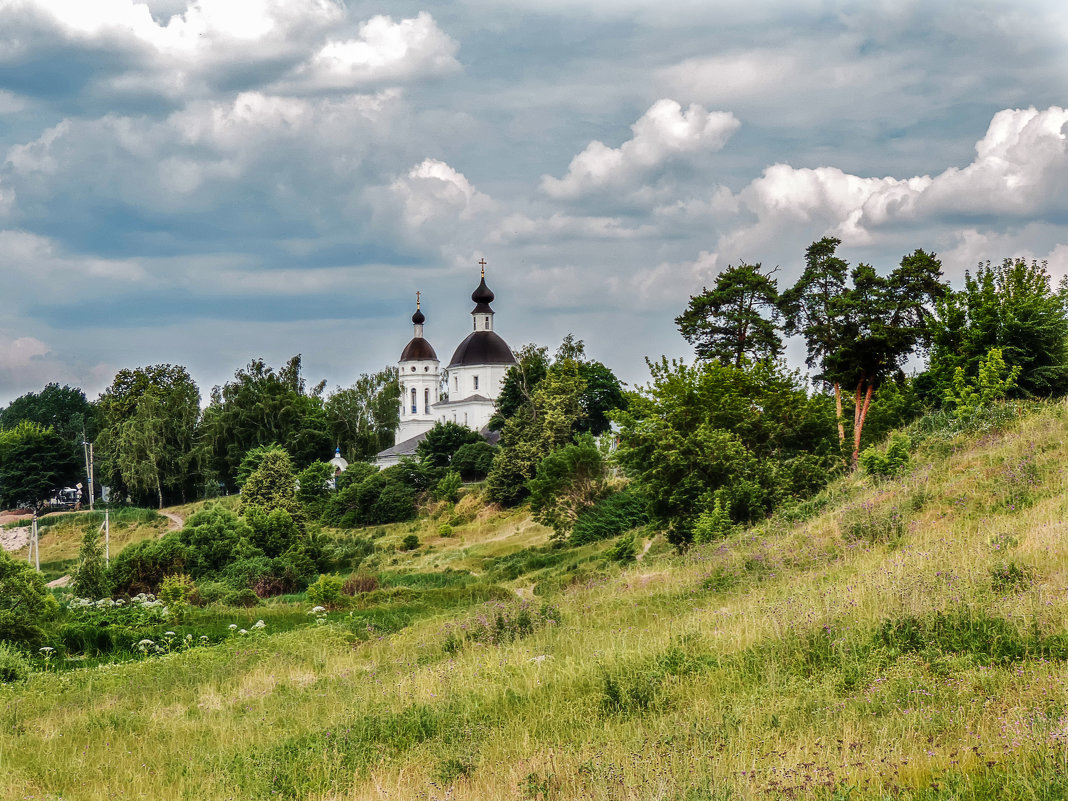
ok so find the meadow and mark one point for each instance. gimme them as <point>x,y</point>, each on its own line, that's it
<point>897,638</point>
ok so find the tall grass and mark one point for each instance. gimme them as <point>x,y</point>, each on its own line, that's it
<point>801,659</point>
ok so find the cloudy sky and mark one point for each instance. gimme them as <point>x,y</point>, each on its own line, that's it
<point>202,182</point>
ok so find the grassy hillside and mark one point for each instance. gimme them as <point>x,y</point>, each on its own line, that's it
<point>899,639</point>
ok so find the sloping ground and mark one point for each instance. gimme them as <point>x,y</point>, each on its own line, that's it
<point>905,640</point>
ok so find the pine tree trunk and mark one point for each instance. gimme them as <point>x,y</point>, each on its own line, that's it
<point>860,415</point>
<point>838,412</point>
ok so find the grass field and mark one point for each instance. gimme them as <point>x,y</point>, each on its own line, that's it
<point>903,639</point>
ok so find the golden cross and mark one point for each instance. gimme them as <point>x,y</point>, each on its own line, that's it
<point>417,300</point>
<point>483,263</point>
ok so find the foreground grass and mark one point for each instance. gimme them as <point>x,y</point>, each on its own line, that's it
<point>906,641</point>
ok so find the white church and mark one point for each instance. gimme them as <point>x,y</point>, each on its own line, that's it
<point>471,382</point>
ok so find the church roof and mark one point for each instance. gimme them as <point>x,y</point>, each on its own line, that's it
<point>405,448</point>
<point>418,350</point>
<point>482,347</point>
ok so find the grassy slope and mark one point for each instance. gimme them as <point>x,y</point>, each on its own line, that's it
<point>742,670</point>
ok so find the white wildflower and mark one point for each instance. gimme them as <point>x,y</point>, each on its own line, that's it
<point>243,631</point>
<point>315,610</point>
<point>233,627</point>
<point>259,624</point>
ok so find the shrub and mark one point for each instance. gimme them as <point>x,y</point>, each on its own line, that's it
<point>712,525</point>
<point>445,530</point>
<point>448,489</point>
<point>410,543</point>
<point>359,583</point>
<point>326,591</point>
<point>244,598</point>
<point>609,518</point>
<point>175,592</point>
<point>14,666</point>
<point>624,550</point>
<point>886,463</point>
<point>209,592</point>
<point>141,567</point>
<point>91,579</point>
<point>473,460</point>
<point>23,599</point>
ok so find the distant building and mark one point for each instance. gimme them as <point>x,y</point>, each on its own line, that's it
<point>464,393</point>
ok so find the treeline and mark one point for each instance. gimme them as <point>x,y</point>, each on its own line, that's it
<point>725,441</point>
<point>155,445</point>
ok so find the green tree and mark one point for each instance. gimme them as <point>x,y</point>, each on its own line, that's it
<point>262,406</point>
<point>362,418</point>
<point>522,378</point>
<point>442,441</point>
<point>34,462</point>
<point>813,308</point>
<point>474,460</point>
<point>23,602</point>
<point>567,482</point>
<point>1011,307</point>
<point>148,438</point>
<point>63,408</point>
<point>537,429</point>
<point>745,438</point>
<point>736,319</point>
<point>214,537</point>
<point>91,579</point>
<point>885,321</point>
<point>314,488</point>
<point>272,486</point>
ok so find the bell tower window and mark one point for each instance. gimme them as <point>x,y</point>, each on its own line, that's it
<point>426,401</point>
<point>414,407</point>
<point>476,383</point>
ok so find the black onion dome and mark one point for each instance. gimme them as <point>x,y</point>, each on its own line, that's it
<point>418,350</point>
<point>418,318</point>
<point>482,347</point>
<point>483,294</point>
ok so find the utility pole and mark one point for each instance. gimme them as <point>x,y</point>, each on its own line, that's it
<point>88,448</point>
<point>35,543</point>
<point>107,538</point>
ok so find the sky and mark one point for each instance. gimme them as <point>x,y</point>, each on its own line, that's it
<point>204,182</point>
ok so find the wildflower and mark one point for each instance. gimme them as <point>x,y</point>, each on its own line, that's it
<point>259,624</point>
<point>47,650</point>
<point>315,610</point>
<point>243,631</point>
<point>168,634</point>
<point>233,626</point>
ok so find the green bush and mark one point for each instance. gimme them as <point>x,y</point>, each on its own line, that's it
<point>624,550</point>
<point>448,489</point>
<point>473,460</point>
<point>23,601</point>
<point>884,463</point>
<point>445,530</point>
<point>715,524</point>
<point>141,567</point>
<point>14,666</point>
<point>210,592</point>
<point>327,591</point>
<point>609,518</point>
<point>410,543</point>
<point>244,598</point>
<point>175,592</point>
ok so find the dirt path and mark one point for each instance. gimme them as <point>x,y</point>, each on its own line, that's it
<point>645,549</point>
<point>177,521</point>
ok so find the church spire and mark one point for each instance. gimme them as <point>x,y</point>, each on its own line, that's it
<point>482,314</point>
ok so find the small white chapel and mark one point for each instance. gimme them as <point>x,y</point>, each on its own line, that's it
<point>465,392</point>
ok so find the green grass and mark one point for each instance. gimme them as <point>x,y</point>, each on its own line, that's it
<point>831,652</point>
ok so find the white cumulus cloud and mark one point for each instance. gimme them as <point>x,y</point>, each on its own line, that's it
<point>663,133</point>
<point>432,190</point>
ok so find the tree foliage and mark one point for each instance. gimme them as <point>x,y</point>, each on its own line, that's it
<point>1010,307</point>
<point>272,486</point>
<point>22,601</point>
<point>860,327</point>
<point>567,482</point>
<point>442,441</point>
<point>736,319</point>
<point>362,418</point>
<point>149,418</point>
<point>34,462</point>
<point>746,438</point>
<point>262,406</point>
<point>91,579</point>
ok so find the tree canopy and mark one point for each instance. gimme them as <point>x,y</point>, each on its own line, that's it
<point>736,319</point>
<point>34,462</point>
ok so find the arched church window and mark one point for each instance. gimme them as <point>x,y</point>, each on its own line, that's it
<point>426,401</point>
<point>476,383</point>
<point>486,323</point>
<point>414,408</point>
